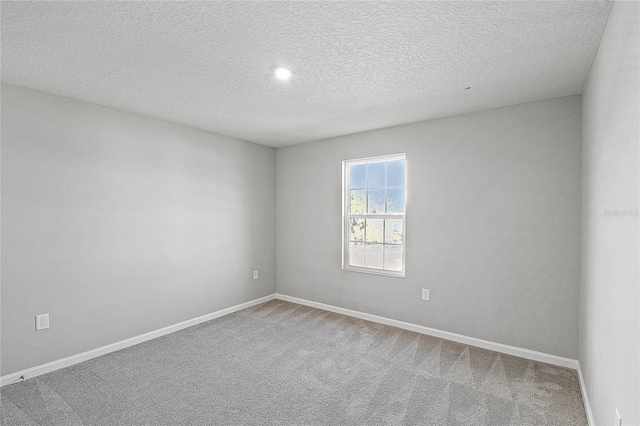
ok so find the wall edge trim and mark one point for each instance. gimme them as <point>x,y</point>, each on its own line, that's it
<point>460,338</point>
<point>39,370</point>
<point>585,397</point>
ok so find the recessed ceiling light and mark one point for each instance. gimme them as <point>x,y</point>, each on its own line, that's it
<point>282,73</point>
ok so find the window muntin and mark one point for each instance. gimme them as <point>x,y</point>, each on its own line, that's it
<point>374,214</point>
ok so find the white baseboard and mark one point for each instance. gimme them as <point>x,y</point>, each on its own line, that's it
<point>585,397</point>
<point>84,356</point>
<point>498,347</point>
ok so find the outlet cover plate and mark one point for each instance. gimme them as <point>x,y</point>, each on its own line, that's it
<point>42,322</point>
<point>425,294</point>
<point>255,274</point>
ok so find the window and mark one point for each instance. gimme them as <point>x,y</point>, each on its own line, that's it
<point>374,214</point>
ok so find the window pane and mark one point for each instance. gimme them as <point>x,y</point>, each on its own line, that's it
<point>396,172</point>
<point>356,229</point>
<point>376,175</point>
<point>393,231</point>
<point>374,255</point>
<point>374,230</point>
<point>393,257</point>
<point>376,198</point>
<point>356,254</point>
<point>358,201</point>
<point>358,176</point>
<point>395,200</point>
<point>376,201</point>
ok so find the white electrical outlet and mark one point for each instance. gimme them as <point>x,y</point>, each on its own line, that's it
<point>425,294</point>
<point>255,274</point>
<point>618,419</point>
<point>42,322</point>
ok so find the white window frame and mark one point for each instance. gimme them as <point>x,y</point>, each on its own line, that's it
<point>346,208</point>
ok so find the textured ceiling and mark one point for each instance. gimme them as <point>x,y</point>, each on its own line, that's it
<point>357,65</point>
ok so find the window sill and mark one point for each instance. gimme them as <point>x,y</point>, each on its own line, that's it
<point>394,274</point>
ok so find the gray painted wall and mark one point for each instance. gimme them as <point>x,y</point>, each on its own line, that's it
<point>610,277</point>
<point>493,225</point>
<point>118,224</point>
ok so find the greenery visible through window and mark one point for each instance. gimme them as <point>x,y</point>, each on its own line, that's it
<point>374,214</point>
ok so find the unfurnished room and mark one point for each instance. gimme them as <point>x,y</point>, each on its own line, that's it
<point>320,213</point>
